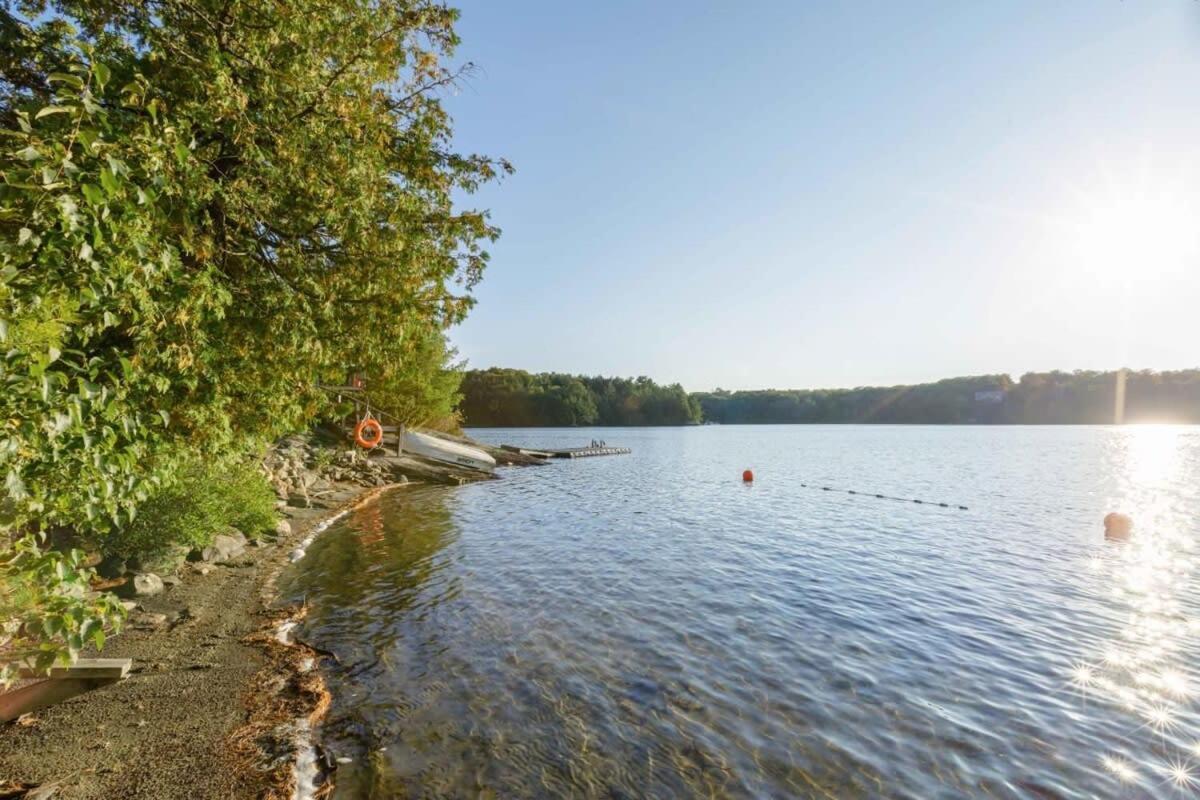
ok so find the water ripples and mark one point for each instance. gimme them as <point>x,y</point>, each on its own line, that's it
<point>647,626</point>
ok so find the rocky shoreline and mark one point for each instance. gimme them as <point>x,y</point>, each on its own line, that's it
<point>218,695</point>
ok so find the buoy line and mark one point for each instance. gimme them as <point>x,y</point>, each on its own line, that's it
<point>887,497</point>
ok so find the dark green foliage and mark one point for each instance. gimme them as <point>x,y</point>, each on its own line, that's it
<point>511,397</point>
<point>208,209</point>
<point>202,500</point>
<point>46,614</point>
<point>1082,397</point>
<point>421,388</point>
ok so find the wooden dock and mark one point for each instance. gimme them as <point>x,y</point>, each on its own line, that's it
<point>570,452</point>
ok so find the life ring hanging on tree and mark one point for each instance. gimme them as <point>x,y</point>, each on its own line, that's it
<point>368,433</point>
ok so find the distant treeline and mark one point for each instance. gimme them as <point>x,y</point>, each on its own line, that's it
<point>506,397</point>
<point>1038,398</point>
<point>512,397</point>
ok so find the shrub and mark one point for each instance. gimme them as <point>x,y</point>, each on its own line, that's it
<point>248,500</point>
<point>207,496</point>
<point>46,616</point>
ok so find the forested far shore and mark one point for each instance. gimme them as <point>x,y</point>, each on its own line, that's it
<point>507,397</point>
<point>515,398</point>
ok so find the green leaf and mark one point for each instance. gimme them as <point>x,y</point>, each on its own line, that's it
<point>29,153</point>
<point>62,77</point>
<point>50,110</point>
<point>15,486</point>
<point>182,153</point>
<point>24,235</point>
<point>109,181</point>
<point>93,194</point>
<point>102,73</point>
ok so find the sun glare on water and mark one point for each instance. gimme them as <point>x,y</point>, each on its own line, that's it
<point>1141,670</point>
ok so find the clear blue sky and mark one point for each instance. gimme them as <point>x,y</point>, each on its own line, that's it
<point>796,195</point>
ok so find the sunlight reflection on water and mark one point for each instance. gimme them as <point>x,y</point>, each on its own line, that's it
<point>1143,670</point>
<point>647,625</point>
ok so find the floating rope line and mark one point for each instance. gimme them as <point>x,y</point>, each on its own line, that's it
<point>887,497</point>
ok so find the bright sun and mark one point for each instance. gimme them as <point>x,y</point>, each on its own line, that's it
<point>1136,234</point>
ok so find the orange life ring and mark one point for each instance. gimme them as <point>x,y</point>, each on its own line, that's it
<point>368,433</point>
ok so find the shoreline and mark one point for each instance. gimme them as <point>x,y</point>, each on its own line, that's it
<point>222,700</point>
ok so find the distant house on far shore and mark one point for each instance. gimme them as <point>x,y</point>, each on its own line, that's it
<point>990,396</point>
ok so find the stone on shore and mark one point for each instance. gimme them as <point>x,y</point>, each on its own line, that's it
<point>147,583</point>
<point>225,547</point>
<point>283,528</point>
<point>146,620</point>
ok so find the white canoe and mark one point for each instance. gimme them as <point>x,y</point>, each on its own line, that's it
<point>460,455</point>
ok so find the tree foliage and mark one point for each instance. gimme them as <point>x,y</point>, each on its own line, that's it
<point>510,397</point>
<point>207,209</point>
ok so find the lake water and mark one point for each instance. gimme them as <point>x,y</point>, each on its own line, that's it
<point>648,626</point>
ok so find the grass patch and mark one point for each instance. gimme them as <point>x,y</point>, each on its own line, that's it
<point>206,497</point>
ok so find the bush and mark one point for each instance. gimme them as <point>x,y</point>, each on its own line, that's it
<point>46,615</point>
<point>206,497</point>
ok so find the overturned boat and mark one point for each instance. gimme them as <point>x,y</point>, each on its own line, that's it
<point>447,452</point>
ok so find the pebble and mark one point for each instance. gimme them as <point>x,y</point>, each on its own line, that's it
<point>150,621</point>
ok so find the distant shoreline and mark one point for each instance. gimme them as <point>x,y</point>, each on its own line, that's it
<point>514,398</point>
<point>1126,424</point>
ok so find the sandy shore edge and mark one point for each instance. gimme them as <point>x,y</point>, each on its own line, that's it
<point>211,707</point>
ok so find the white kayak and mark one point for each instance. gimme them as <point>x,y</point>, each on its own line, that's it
<point>460,455</point>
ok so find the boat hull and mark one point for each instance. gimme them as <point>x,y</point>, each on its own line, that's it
<point>445,452</point>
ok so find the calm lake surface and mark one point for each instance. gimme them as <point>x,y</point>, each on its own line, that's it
<point>648,626</point>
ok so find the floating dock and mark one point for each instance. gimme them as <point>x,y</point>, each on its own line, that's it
<point>570,452</point>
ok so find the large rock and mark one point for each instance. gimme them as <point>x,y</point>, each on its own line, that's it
<point>283,528</point>
<point>225,547</point>
<point>147,583</point>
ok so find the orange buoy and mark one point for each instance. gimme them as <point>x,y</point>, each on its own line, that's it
<point>1117,525</point>
<point>748,476</point>
<point>368,433</point>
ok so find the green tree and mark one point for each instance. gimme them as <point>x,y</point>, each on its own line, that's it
<point>206,210</point>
